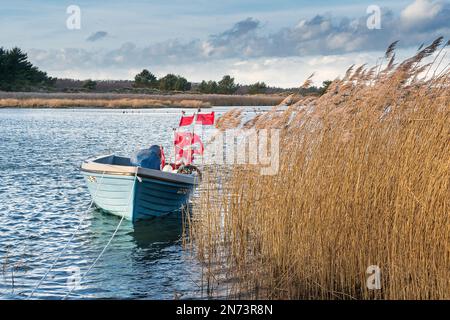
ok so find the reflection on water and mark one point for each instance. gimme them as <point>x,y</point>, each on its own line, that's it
<point>148,254</point>
<point>43,198</point>
<point>164,230</point>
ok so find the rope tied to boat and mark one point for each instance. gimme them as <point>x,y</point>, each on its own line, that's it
<point>68,241</point>
<point>110,239</point>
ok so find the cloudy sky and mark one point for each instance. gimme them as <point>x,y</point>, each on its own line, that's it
<point>280,42</point>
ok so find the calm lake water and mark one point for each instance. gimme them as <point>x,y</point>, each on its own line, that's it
<point>43,197</point>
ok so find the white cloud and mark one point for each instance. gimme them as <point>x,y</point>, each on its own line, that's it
<point>292,71</point>
<point>421,11</point>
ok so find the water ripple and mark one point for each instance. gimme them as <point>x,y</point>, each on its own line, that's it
<point>43,198</point>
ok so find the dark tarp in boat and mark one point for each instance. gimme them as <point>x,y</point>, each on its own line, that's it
<point>148,158</point>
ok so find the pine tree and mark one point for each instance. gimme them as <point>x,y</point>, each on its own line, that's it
<point>17,73</point>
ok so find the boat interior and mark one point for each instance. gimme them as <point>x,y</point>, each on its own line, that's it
<point>114,160</point>
<point>126,162</point>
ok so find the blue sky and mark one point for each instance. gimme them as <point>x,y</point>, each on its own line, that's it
<point>278,42</point>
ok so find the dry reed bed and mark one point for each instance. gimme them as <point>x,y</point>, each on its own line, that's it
<point>363,180</point>
<point>212,99</point>
<point>101,103</point>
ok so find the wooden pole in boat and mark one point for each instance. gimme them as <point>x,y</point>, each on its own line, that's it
<point>174,148</point>
<point>193,134</point>
<point>202,139</point>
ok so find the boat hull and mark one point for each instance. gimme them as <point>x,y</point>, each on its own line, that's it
<point>140,195</point>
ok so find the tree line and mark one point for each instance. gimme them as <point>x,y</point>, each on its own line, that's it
<point>170,82</point>
<point>18,74</point>
<point>226,85</point>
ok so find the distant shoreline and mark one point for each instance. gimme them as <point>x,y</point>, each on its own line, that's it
<point>131,101</point>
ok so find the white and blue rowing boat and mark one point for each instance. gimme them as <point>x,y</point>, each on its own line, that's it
<point>136,193</point>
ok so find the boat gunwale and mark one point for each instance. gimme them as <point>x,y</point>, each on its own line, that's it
<point>91,166</point>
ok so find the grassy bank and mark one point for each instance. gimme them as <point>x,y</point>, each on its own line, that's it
<point>61,100</point>
<point>364,180</point>
<point>101,103</point>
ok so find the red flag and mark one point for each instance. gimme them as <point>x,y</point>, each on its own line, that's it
<point>182,139</point>
<point>186,121</point>
<point>197,145</point>
<point>206,119</point>
<point>186,145</point>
